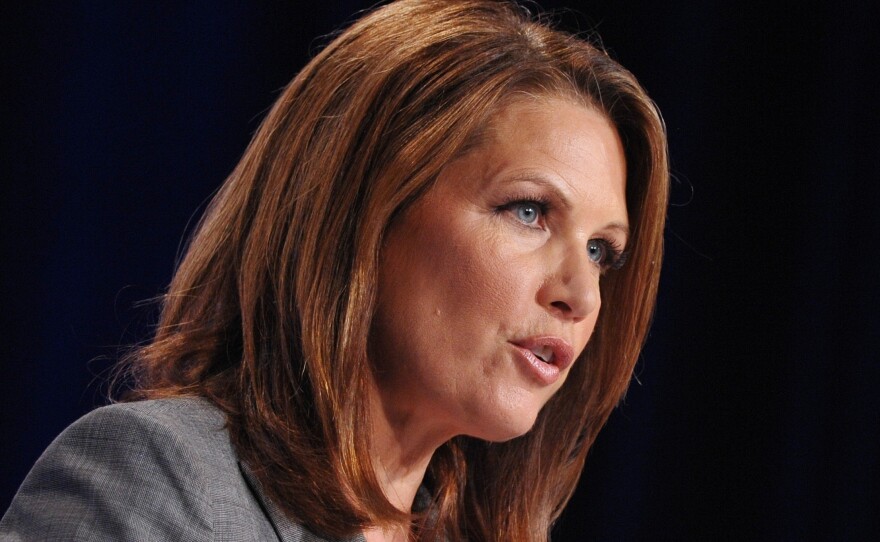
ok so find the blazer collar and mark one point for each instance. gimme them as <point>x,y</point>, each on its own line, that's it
<point>285,528</point>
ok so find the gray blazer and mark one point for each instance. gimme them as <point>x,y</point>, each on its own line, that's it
<point>151,470</point>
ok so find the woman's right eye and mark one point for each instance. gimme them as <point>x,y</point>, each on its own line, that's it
<point>527,213</point>
<point>530,213</point>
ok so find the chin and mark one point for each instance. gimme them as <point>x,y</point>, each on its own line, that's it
<point>506,427</point>
<point>505,434</point>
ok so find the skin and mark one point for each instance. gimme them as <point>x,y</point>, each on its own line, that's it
<point>472,267</point>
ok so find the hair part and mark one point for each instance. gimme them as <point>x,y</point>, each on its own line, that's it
<point>269,312</point>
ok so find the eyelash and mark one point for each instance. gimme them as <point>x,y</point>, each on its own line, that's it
<point>540,203</point>
<point>615,257</point>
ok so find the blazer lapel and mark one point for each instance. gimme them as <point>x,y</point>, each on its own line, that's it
<point>287,530</point>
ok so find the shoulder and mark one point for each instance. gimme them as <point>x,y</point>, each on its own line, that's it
<point>150,470</point>
<point>177,438</point>
<point>181,425</point>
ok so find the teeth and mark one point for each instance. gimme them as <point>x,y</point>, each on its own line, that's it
<point>545,353</point>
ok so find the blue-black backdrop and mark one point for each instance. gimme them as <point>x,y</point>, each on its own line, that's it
<point>755,415</point>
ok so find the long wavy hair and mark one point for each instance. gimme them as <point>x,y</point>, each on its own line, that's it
<point>270,309</point>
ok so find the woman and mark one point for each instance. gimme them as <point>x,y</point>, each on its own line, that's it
<point>388,325</point>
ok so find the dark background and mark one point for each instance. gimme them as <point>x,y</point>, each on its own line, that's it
<point>755,412</point>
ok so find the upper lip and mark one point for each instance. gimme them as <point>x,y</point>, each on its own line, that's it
<point>563,353</point>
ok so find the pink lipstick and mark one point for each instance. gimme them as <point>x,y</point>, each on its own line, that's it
<point>545,357</point>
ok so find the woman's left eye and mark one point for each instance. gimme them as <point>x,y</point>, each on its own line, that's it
<point>597,250</point>
<point>605,254</point>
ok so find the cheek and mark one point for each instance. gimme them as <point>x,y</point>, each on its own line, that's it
<point>584,330</point>
<point>478,278</point>
<point>454,286</point>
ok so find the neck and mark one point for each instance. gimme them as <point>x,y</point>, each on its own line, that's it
<point>376,534</point>
<point>403,442</point>
<point>402,447</point>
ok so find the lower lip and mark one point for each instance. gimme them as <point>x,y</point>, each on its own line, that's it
<point>545,373</point>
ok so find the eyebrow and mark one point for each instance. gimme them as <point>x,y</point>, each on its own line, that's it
<point>622,228</point>
<point>542,181</point>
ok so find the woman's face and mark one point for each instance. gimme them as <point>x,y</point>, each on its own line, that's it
<point>489,284</point>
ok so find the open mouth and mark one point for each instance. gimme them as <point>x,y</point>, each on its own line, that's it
<point>545,357</point>
<point>548,350</point>
<point>544,353</point>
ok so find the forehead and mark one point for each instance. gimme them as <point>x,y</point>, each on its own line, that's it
<point>556,125</point>
<point>561,141</point>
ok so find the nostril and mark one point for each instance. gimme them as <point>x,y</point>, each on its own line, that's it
<point>562,306</point>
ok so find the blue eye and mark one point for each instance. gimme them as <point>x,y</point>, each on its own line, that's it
<point>597,251</point>
<point>526,212</point>
<point>606,254</point>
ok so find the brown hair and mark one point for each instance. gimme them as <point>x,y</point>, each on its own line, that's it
<point>269,311</point>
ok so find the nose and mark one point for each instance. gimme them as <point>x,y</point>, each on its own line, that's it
<point>571,290</point>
